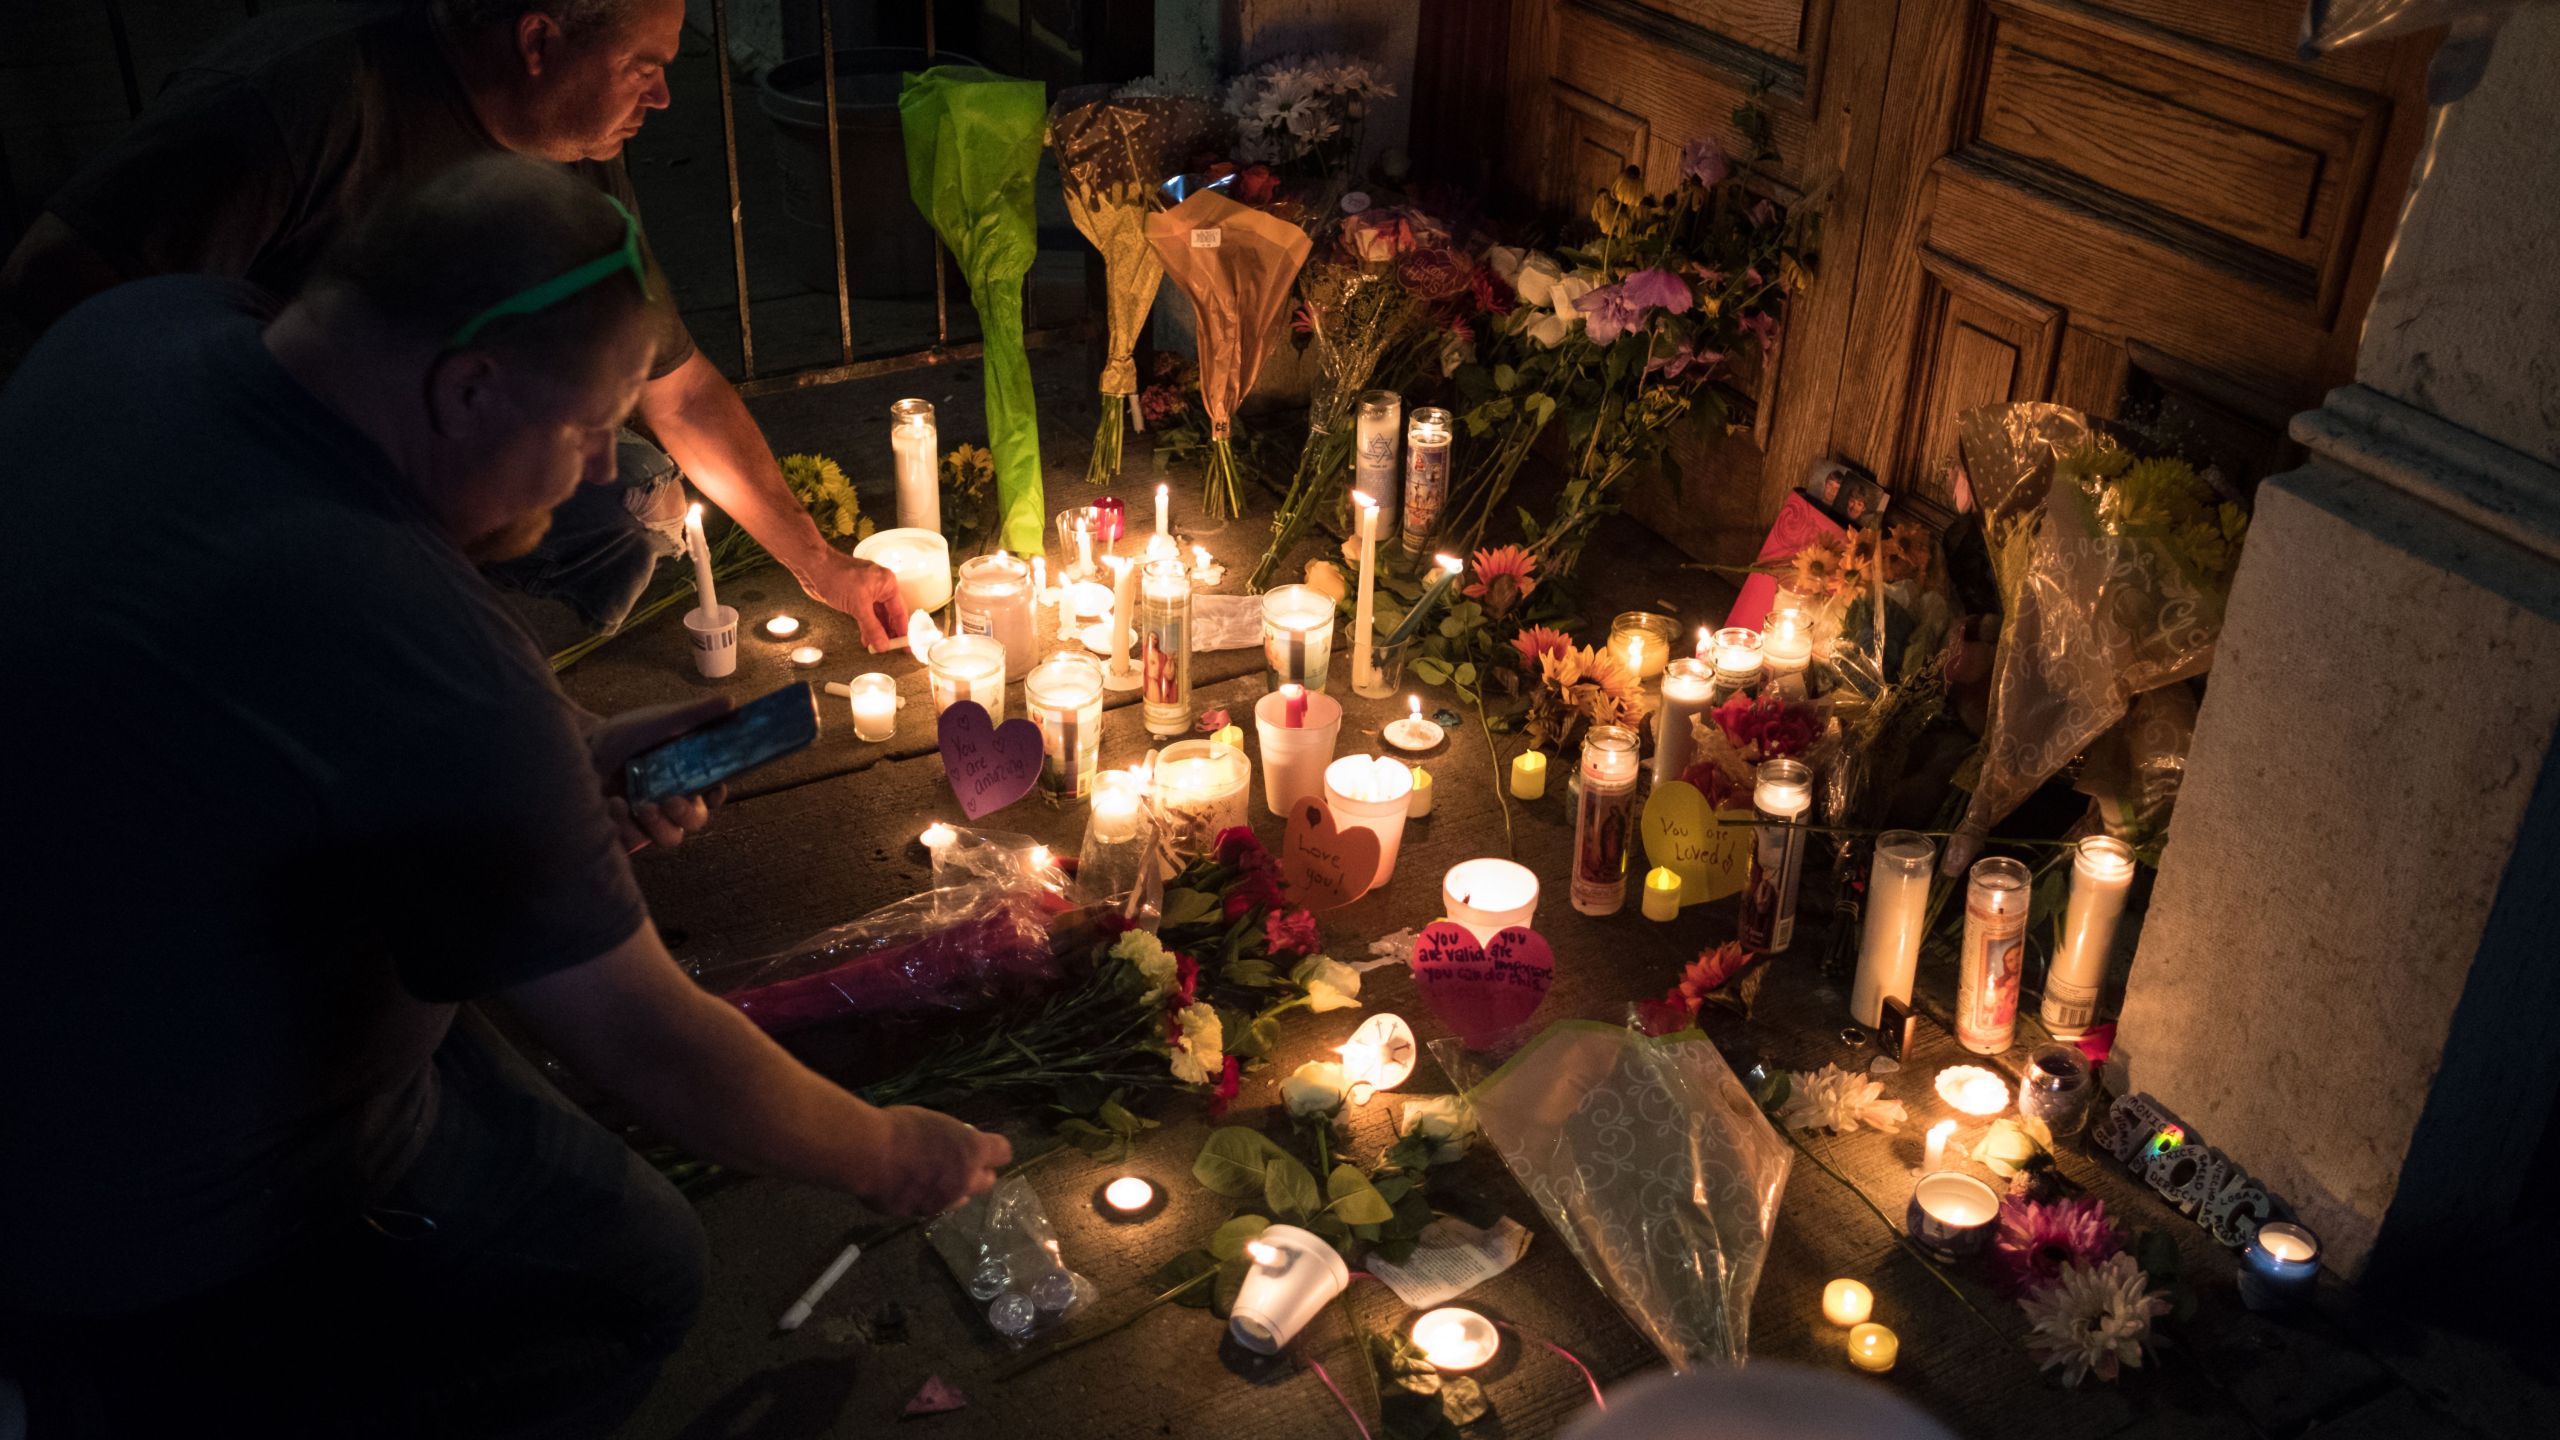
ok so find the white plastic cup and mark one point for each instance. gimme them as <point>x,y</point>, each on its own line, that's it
<point>1293,1275</point>
<point>1293,761</point>
<point>715,641</point>
<point>1372,793</point>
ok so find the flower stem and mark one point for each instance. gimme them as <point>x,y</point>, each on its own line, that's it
<point>1501,787</point>
<point>1043,1357</point>
<point>1899,1236</point>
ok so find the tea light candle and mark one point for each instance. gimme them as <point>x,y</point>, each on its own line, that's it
<point>875,706</point>
<point>2281,1266</point>
<point>1936,1156</point>
<point>1378,1056</point>
<point>1847,1302</point>
<point>1951,1214</point>
<point>1293,1275</point>
<point>1205,569</point>
<point>1453,1338</point>
<point>1662,893</point>
<point>1421,794</point>
<point>782,627</point>
<point>967,667</point>
<point>1642,641</point>
<point>1786,649</point>
<point>1413,732</point>
<point>1487,896</point>
<point>1089,600</point>
<point>806,657</point>
<point>937,835</point>
<point>2101,876</point>
<point>1128,1195</point>
<point>1231,736</point>
<point>1973,1090</point>
<point>1688,689</point>
<point>919,558</point>
<point>1873,1348</point>
<point>1529,775</point>
<point>1372,793</point>
<point>916,450</point>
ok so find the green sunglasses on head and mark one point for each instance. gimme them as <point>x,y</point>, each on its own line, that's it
<point>551,292</point>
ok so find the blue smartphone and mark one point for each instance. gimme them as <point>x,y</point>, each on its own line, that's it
<point>759,731</point>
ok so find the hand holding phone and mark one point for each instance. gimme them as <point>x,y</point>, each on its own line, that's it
<point>754,734</point>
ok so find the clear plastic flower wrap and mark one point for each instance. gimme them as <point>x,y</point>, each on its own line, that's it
<point>1003,1251</point>
<point>1651,1161</point>
<point>981,935</point>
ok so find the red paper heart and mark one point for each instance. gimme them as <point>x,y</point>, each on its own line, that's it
<point>1326,868</point>
<point>990,766</point>
<point>1480,991</point>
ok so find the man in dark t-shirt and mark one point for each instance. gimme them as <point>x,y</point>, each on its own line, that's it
<point>260,152</point>
<point>301,788</point>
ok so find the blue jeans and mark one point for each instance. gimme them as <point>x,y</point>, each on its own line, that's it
<point>602,548</point>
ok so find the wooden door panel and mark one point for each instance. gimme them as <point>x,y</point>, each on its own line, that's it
<point>1981,343</point>
<point>2268,32</point>
<point>1590,142</point>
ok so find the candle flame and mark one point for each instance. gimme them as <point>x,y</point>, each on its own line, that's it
<point>1450,563</point>
<point>1039,857</point>
<point>1358,497</point>
<point>1200,555</point>
<point>937,835</point>
<point>1416,702</point>
<point>1262,1252</point>
<point>693,513</point>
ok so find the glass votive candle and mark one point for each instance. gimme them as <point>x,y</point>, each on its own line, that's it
<point>995,598</point>
<point>1485,897</point>
<point>1952,1214</point>
<point>2057,1087</point>
<point>967,667</point>
<point>875,706</point>
<point>1080,539</point>
<point>1604,815</point>
<point>2280,1267</point>
<point>1064,694</point>
<point>1786,652</point>
<point>921,559</point>
<point>1848,1302</point>
<point>1292,1276</point>
<point>1297,637</point>
<point>1642,641</point>
<point>916,451</point>
<point>1733,655</point>
<point>1372,793</point>
<point>1117,837</point>
<point>1201,788</point>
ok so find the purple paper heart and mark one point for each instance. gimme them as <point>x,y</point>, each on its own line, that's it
<point>989,765</point>
<point>1480,991</point>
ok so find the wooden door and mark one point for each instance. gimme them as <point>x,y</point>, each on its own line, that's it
<point>2125,205</point>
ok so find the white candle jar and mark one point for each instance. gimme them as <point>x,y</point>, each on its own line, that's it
<point>1604,814</point>
<point>1688,690</point>
<point>967,667</point>
<point>1116,837</point>
<point>1734,654</point>
<point>1164,646</point>
<point>1781,795</point>
<point>995,599</point>
<point>917,453</point>
<point>1786,653</point>
<point>1064,694</point>
<point>1897,913</point>
<point>1373,456</point>
<point>2101,877</point>
<point>875,706</point>
<point>1292,1276</point>
<point>1372,793</point>
<point>921,559</point>
<point>1642,641</point>
<point>1297,637</point>
<point>1202,788</point>
<point>1485,897</point>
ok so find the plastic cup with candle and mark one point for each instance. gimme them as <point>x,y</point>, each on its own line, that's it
<point>2280,1267</point>
<point>1064,694</point>
<point>1413,732</point>
<point>1847,1302</point>
<point>1688,690</point>
<point>713,635</point>
<point>875,706</point>
<point>967,667</point>
<point>1603,818</point>
<point>2101,876</point>
<point>1294,757</point>
<point>1297,637</point>
<point>1897,912</point>
<point>1529,775</point>
<point>917,453</point>
<point>1487,896</point>
<point>1455,1339</point>
<point>1781,795</point>
<point>1873,1348</point>
<point>1422,796</point>
<point>1378,1056</point>
<point>921,559</point>
<point>1642,641</point>
<point>1952,1214</point>
<point>1290,1276</point>
<point>1662,893</point>
<point>1372,793</point>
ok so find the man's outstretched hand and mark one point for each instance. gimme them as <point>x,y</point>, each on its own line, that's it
<point>867,592</point>
<point>929,1162</point>
<point>627,734</point>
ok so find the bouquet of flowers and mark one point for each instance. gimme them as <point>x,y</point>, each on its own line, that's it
<point>1235,264</point>
<point>1735,737</point>
<point>1303,116</point>
<point>1577,687</point>
<point>969,515</point>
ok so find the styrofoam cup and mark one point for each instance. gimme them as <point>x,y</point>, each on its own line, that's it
<point>1293,761</point>
<point>715,641</point>
<point>1293,1275</point>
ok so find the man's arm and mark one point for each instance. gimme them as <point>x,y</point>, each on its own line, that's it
<point>52,270</point>
<point>631,1022</point>
<point>698,416</point>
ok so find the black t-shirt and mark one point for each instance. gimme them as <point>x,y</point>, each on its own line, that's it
<point>258,153</point>
<point>286,782</point>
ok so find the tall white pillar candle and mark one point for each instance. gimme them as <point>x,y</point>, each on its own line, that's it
<point>2101,875</point>
<point>706,595</point>
<point>1897,912</point>
<point>1364,614</point>
<point>1117,672</point>
<point>1164,512</point>
<point>1688,689</point>
<point>918,453</point>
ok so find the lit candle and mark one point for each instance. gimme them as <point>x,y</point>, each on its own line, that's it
<point>1293,706</point>
<point>1872,1348</point>
<point>1040,577</point>
<point>1897,912</point>
<point>706,594</point>
<point>2101,875</point>
<point>1662,893</point>
<point>1936,1156</point>
<point>1413,732</point>
<point>1372,793</point>
<point>1444,577</point>
<point>1164,512</point>
<point>1364,612</point>
<point>1641,640</point>
<point>806,657</point>
<point>1164,646</point>
<point>995,598</point>
<point>1117,853</point>
<point>1128,1195</point>
<point>875,706</point>
<point>1205,569</point>
<point>1951,1214</point>
<point>1734,653</point>
<point>1064,694</point>
<point>1037,858</point>
<point>967,667</point>
<point>1291,1276</point>
<point>1688,688</point>
<point>1421,793</point>
<point>1297,636</point>
<point>1084,547</point>
<point>1111,518</point>
<point>1115,805</point>
<point>915,447</point>
<point>1455,1339</point>
<point>1993,956</point>
<point>1298,730</point>
<point>922,635</point>
<point>1847,1302</point>
<point>1117,671</point>
<point>1488,896</point>
<point>937,835</point>
<point>1231,736</point>
<point>1973,1090</point>
<point>782,627</point>
<point>1427,437</point>
<point>1602,819</point>
<point>1786,649</point>
<point>2280,1267</point>
<point>1529,775</point>
<point>1782,792</point>
<point>1201,793</point>
<point>1378,1056</point>
<point>920,559</point>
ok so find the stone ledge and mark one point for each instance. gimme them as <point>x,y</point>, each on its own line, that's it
<point>2509,494</point>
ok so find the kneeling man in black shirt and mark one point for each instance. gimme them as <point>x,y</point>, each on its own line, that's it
<point>298,789</point>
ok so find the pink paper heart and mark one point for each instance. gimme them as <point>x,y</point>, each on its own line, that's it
<point>990,766</point>
<point>1325,868</point>
<point>1480,991</point>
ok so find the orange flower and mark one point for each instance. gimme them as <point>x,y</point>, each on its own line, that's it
<point>1504,578</point>
<point>1537,642</point>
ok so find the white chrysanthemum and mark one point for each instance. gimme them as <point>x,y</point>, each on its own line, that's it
<point>1833,1099</point>
<point>2093,1319</point>
<point>1152,961</point>
<point>1199,1051</point>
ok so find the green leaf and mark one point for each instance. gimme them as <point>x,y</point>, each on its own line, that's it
<point>1254,1040</point>
<point>1232,1161</point>
<point>1430,671</point>
<point>1395,1185</point>
<point>1252,974</point>
<point>1505,377</point>
<point>1189,907</point>
<point>1231,1273</point>
<point>1116,1117</point>
<point>2157,1253</point>
<point>1093,1140</point>
<point>1354,1199</point>
<point>1289,1188</point>
<point>1227,1241</point>
<point>1188,1266</point>
<point>1467,673</point>
<point>1462,1399</point>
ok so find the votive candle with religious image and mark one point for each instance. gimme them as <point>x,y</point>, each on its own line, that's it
<point>1602,819</point>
